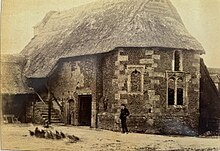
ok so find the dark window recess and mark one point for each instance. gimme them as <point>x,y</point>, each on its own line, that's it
<point>135,81</point>
<point>179,96</point>
<point>170,96</point>
<point>177,61</point>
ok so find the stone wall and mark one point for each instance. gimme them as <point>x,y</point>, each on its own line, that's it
<point>149,109</point>
<point>136,77</point>
<point>74,77</point>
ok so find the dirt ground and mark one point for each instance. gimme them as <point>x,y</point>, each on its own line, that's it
<point>16,137</point>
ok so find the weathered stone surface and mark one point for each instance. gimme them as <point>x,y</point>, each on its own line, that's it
<point>149,52</point>
<point>157,57</point>
<point>156,87</point>
<point>106,78</point>
<point>146,61</point>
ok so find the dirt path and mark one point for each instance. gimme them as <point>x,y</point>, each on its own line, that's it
<point>16,137</point>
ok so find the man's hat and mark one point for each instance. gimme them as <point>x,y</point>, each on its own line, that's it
<point>123,105</point>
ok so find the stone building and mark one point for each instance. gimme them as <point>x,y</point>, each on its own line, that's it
<point>86,61</point>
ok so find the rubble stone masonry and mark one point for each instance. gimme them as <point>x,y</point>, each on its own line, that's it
<point>149,107</point>
<point>137,77</point>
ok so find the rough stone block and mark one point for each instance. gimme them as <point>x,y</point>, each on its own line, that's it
<point>196,90</point>
<point>149,52</point>
<point>197,64</point>
<point>121,78</point>
<point>154,65</point>
<point>121,67</point>
<point>122,92</point>
<point>154,97</point>
<point>123,101</point>
<point>122,58</point>
<point>157,57</point>
<point>157,110</point>
<point>114,82</point>
<point>120,85</point>
<point>155,81</point>
<point>151,92</point>
<point>117,72</point>
<point>149,69</point>
<point>117,63</point>
<point>195,81</point>
<point>157,74</point>
<point>146,61</point>
<point>117,96</point>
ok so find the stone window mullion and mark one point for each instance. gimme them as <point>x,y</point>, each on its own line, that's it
<point>176,89</point>
<point>175,92</point>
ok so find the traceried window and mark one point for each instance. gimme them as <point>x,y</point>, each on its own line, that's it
<point>135,81</point>
<point>175,91</point>
<point>177,61</point>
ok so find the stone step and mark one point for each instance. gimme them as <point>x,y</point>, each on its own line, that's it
<point>43,109</point>
<point>46,113</point>
<point>55,121</point>
<point>51,115</point>
<point>41,106</point>
<point>46,110</point>
<point>41,103</point>
<point>52,118</point>
<point>43,112</point>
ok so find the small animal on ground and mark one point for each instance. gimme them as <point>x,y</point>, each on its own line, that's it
<point>31,133</point>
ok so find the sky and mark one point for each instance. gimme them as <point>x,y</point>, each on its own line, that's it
<point>201,18</point>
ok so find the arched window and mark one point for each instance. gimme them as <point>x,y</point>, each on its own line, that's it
<point>171,91</point>
<point>175,90</point>
<point>135,81</point>
<point>180,87</point>
<point>177,61</point>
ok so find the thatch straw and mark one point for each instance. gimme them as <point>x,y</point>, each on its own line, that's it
<point>101,26</point>
<point>12,80</point>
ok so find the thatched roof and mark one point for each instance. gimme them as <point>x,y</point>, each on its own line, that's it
<point>12,81</point>
<point>100,27</point>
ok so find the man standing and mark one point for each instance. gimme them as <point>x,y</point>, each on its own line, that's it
<point>123,116</point>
